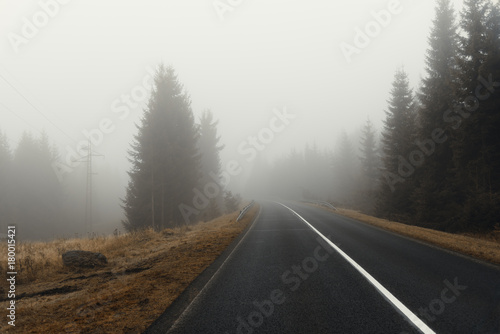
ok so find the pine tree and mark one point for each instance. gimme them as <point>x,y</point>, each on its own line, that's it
<point>37,194</point>
<point>432,197</point>
<point>5,153</point>
<point>164,157</point>
<point>209,148</point>
<point>476,146</point>
<point>5,182</point>
<point>472,46</point>
<point>369,156</point>
<point>436,94</point>
<point>345,172</point>
<point>370,167</point>
<point>397,144</point>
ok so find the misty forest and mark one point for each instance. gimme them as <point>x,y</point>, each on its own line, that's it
<point>434,162</point>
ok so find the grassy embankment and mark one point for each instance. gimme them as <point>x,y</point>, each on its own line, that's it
<point>485,246</point>
<point>146,272</point>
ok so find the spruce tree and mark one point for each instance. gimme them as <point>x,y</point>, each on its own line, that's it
<point>5,182</point>
<point>209,148</point>
<point>37,194</point>
<point>345,171</point>
<point>370,168</point>
<point>472,47</point>
<point>476,146</point>
<point>432,197</point>
<point>397,143</point>
<point>369,156</point>
<point>164,157</point>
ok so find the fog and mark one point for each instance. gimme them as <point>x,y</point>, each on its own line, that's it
<point>75,69</point>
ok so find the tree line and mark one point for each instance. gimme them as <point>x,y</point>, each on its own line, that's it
<point>175,177</point>
<point>437,162</point>
<point>441,145</point>
<point>435,165</point>
<point>30,194</point>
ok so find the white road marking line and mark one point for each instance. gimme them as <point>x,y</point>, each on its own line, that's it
<point>202,292</point>
<point>400,307</point>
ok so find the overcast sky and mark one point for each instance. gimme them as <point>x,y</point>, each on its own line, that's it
<point>88,61</point>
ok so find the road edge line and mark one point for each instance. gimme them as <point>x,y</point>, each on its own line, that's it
<point>194,301</point>
<point>396,303</point>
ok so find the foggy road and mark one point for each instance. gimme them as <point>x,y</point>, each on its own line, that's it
<point>147,124</point>
<point>283,277</point>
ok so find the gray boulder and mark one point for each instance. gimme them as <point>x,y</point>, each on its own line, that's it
<point>83,259</point>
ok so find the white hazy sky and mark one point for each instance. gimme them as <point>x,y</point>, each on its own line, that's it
<point>263,55</point>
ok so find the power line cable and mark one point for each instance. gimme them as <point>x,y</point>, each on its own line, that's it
<point>18,116</point>
<point>34,107</point>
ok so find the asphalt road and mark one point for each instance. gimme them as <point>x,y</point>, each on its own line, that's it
<point>300,269</point>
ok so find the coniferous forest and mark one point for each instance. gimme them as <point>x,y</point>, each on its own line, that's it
<point>172,158</point>
<point>435,162</point>
<point>441,142</point>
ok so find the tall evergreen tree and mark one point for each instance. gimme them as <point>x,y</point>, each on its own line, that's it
<point>37,194</point>
<point>209,148</point>
<point>345,172</point>
<point>369,156</point>
<point>476,146</point>
<point>370,165</point>
<point>397,143</point>
<point>5,182</point>
<point>164,156</point>
<point>472,46</point>
<point>432,197</point>
<point>5,153</point>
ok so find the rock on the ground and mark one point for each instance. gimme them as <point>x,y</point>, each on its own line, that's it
<point>83,259</point>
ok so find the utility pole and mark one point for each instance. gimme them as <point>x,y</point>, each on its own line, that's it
<point>88,195</point>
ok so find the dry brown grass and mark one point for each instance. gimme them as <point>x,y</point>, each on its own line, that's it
<point>146,272</point>
<point>481,246</point>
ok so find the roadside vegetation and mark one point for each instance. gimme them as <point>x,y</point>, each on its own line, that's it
<point>484,246</point>
<point>434,161</point>
<point>146,271</point>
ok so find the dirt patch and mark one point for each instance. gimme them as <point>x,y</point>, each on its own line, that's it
<point>481,246</point>
<point>146,272</point>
